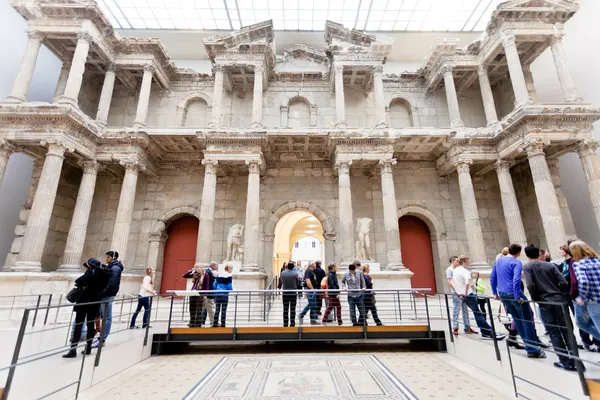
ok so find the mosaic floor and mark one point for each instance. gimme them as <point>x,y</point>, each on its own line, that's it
<point>335,377</point>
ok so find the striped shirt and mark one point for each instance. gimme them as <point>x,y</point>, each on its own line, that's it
<point>587,271</point>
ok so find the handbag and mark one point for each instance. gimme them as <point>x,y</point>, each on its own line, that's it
<point>506,318</point>
<point>75,294</point>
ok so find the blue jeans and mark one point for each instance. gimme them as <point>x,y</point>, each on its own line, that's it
<point>459,304</point>
<point>311,306</point>
<point>523,318</point>
<point>588,318</point>
<point>359,303</point>
<point>486,329</point>
<point>142,302</point>
<point>107,302</point>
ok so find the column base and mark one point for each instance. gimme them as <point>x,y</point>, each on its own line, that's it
<point>250,268</point>
<point>101,124</point>
<point>137,124</point>
<point>392,279</point>
<point>396,267</point>
<point>457,124</point>
<point>70,268</point>
<point>213,124</point>
<point>576,99</point>
<point>15,99</point>
<point>27,266</point>
<point>495,126</point>
<point>249,280</point>
<point>381,124</point>
<point>67,100</point>
<point>257,125</point>
<point>523,103</point>
<point>340,124</point>
<point>481,266</point>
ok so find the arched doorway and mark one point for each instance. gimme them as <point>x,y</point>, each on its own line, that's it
<point>180,252</point>
<point>291,232</point>
<point>417,251</point>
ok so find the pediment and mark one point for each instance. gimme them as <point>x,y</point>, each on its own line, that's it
<point>333,31</point>
<point>552,4</point>
<point>252,38</point>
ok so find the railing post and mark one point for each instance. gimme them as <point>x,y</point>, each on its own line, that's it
<point>170,317</point>
<point>36,309</point>
<point>512,370</point>
<point>48,308</point>
<point>157,308</point>
<point>11,307</point>
<point>572,344</point>
<point>121,310</point>
<point>428,320</point>
<point>148,324</point>
<point>58,309</point>
<point>15,357</point>
<point>235,311</point>
<point>80,374</point>
<point>449,320</point>
<point>414,299</point>
<point>103,306</point>
<point>493,326</point>
<point>183,308</point>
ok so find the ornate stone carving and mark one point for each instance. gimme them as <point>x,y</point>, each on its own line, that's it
<point>85,36</point>
<point>35,35</point>
<point>447,69</point>
<point>234,242</point>
<point>111,67</point>
<point>534,148</point>
<point>56,147</point>
<point>149,68</point>
<point>464,165</point>
<point>254,166</point>
<point>508,39</point>
<point>343,167</point>
<point>338,68</point>
<point>587,148</point>
<point>386,165</point>
<point>378,69</point>
<point>210,166</point>
<point>482,70</point>
<point>363,244</point>
<point>91,166</point>
<point>132,165</point>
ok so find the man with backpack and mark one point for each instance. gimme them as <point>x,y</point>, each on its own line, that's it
<point>114,268</point>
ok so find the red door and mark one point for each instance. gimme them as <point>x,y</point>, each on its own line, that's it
<point>417,253</point>
<point>180,253</point>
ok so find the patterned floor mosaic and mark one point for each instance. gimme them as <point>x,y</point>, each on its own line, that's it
<point>343,377</point>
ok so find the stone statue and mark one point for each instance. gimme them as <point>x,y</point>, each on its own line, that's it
<point>233,243</point>
<point>239,255</point>
<point>363,244</point>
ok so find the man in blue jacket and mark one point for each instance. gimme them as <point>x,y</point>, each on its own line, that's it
<point>114,268</point>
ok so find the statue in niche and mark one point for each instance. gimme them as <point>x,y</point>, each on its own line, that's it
<point>363,244</point>
<point>234,253</point>
<point>239,255</point>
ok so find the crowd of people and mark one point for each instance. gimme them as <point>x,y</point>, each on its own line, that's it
<point>322,287</point>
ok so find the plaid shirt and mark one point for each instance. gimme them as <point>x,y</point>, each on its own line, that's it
<point>587,271</point>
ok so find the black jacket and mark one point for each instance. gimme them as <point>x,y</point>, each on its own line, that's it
<point>94,281</point>
<point>320,273</point>
<point>115,268</point>
<point>332,282</point>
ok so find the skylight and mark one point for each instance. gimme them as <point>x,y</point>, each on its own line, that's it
<point>303,15</point>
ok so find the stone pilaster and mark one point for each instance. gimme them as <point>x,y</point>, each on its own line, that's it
<point>144,99</point>
<point>79,223</point>
<point>251,229</point>
<point>6,149</point>
<point>591,169</point>
<point>553,167</point>
<point>346,233</point>
<point>22,81</point>
<point>510,205</point>
<point>340,102</point>
<point>471,215</point>
<point>564,74</point>
<point>390,216</point>
<point>530,83</point>
<point>217,96</point>
<point>257,100</point>
<point>207,212</point>
<point>379,98</point>
<point>73,86</point>
<point>452,98</point>
<point>120,236</point>
<point>156,252</point>
<point>486,95</point>
<point>62,81</point>
<point>38,223</point>
<point>552,221</point>
<point>515,70</point>
<point>106,95</point>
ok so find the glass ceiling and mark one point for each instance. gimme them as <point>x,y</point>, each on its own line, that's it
<point>304,15</point>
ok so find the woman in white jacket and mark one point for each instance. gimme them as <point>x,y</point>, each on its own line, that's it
<point>144,297</point>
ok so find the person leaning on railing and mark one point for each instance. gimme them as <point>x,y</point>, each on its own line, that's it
<point>587,273</point>
<point>196,302</point>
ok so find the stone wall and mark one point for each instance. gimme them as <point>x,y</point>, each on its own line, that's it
<point>89,95</point>
<point>504,97</point>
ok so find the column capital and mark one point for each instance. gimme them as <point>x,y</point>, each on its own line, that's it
<point>555,38</point>
<point>91,166</point>
<point>132,165</point>
<point>111,67</point>
<point>254,166</point>
<point>508,39</point>
<point>85,36</point>
<point>535,148</point>
<point>386,165</point>
<point>482,70</point>
<point>148,68</point>
<point>343,166</point>
<point>6,147</point>
<point>447,70</point>
<point>338,68</point>
<point>587,148</point>
<point>56,147</point>
<point>464,165</point>
<point>36,35</point>
<point>210,166</point>
<point>259,69</point>
<point>503,164</point>
<point>158,237</point>
<point>378,69</point>
<point>268,237</point>
<point>218,68</point>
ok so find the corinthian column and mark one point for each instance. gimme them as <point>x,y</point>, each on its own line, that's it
<point>379,97</point>
<point>217,97</point>
<point>340,102</point>
<point>471,214</point>
<point>106,95</point>
<point>6,149</point>
<point>75,78</point>
<point>79,223</point>
<point>120,237</point>
<point>144,99</point>
<point>346,234</point>
<point>553,166</point>
<point>207,212</point>
<point>552,221</point>
<point>512,213</point>
<point>564,75</point>
<point>591,169</point>
<point>452,98</point>
<point>62,81</point>
<point>25,73</point>
<point>251,230</point>
<point>515,70</point>
<point>486,95</point>
<point>36,231</point>
<point>257,100</point>
<point>390,216</point>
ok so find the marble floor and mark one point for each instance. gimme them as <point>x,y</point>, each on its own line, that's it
<point>337,375</point>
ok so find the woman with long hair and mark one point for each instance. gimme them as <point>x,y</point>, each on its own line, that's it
<point>223,285</point>
<point>144,299</point>
<point>370,296</point>
<point>587,274</point>
<point>196,302</point>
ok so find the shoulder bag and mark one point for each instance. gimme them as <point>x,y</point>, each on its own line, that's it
<point>75,294</point>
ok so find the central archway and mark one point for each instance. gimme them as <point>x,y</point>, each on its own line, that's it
<point>290,241</point>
